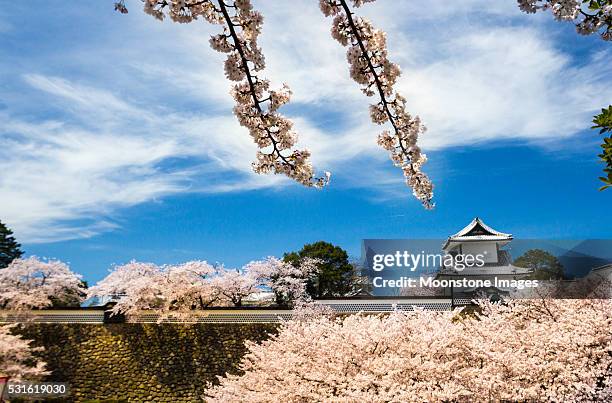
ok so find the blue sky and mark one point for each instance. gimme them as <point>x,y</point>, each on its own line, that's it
<point>118,141</point>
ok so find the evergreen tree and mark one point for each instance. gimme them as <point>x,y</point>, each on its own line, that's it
<point>9,248</point>
<point>545,266</point>
<point>336,275</point>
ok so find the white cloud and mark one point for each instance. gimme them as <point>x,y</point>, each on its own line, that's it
<point>488,88</point>
<point>61,180</point>
<point>134,120</point>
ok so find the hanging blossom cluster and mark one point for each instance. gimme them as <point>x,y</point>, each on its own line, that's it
<point>256,103</point>
<point>370,67</point>
<point>591,16</point>
<point>527,350</point>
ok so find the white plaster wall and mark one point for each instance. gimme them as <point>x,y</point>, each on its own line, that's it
<point>475,248</point>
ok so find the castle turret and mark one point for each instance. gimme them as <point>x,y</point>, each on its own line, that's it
<point>479,240</point>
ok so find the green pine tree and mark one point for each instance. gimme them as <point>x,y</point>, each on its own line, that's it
<point>545,265</point>
<point>9,248</point>
<point>336,275</point>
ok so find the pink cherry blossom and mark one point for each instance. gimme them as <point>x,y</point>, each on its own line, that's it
<point>34,283</point>
<point>171,290</point>
<point>287,281</point>
<point>595,17</point>
<point>30,284</point>
<point>529,350</point>
<point>120,278</point>
<point>370,67</point>
<point>16,357</point>
<point>178,290</point>
<point>233,285</point>
<point>256,104</point>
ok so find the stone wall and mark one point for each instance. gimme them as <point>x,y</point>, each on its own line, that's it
<point>142,362</point>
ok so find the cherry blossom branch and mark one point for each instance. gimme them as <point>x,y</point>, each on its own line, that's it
<point>367,56</point>
<point>598,20</point>
<point>289,164</point>
<point>256,104</point>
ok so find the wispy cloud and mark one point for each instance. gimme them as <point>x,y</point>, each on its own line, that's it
<point>148,116</point>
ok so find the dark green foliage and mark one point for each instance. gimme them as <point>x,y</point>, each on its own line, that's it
<point>9,248</point>
<point>545,265</point>
<point>603,122</point>
<point>336,275</point>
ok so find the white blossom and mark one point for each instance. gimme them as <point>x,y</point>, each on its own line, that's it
<point>220,43</point>
<point>179,290</point>
<point>30,284</point>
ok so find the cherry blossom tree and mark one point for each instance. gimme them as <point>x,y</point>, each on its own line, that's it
<point>17,358</point>
<point>421,291</point>
<point>234,285</point>
<point>178,290</point>
<point>186,287</point>
<point>530,350</point>
<point>33,283</point>
<point>120,278</point>
<point>590,16</point>
<point>286,280</point>
<point>370,67</point>
<point>170,290</point>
